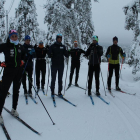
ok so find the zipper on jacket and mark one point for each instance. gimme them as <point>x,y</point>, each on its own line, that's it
<point>15,56</point>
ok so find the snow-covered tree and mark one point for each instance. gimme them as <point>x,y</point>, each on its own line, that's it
<point>72,18</point>
<point>2,21</point>
<point>132,14</point>
<point>26,18</point>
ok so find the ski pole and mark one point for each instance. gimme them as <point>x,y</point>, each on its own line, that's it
<point>66,77</point>
<point>24,69</point>
<point>1,70</point>
<point>40,99</point>
<point>49,69</point>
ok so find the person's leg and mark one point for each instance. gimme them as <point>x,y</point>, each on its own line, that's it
<point>43,70</point>
<point>71,73</point>
<point>97,75</point>
<point>24,82</point>
<point>16,87</point>
<point>7,79</point>
<point>90,77</point>
<point>77,73</point>
<point>110,75</point>
<point>60,76</point>
<point>37,74</point>
<point>30,72</point>
<point>117,68</point>
<point>53,77</point>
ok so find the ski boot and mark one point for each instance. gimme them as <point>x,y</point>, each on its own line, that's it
<point>42,88</point>
<point>69,84</point>
<point>60,94</point>
<point>109,88</point>
<point>89,92</point>
<point>118,89</point>
<point>30,93</point>
<point>97,93</point>
<point>14,112</point>
<point>1,120</point>
<point>25,92</point>
<point>76,85</point>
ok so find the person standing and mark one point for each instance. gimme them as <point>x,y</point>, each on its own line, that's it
<point>29,55</point>
<point>95,51</point>
<point>57,51</point>
<point>41,52</point>
<point>112,54</point>
<point>13,67</point>
<point>75,62</point>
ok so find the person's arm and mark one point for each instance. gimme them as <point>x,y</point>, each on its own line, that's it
<point>108,52</point>
<point>65,52</point>
<point>2,46</point>
<point>122,54</point>
<point>82,51</point>
<point>50,52</point>
<point>100,50</point>
<point>87,53</point>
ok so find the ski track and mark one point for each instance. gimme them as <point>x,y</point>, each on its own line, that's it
<point>126,121</point>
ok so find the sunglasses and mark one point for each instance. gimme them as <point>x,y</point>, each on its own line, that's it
<point>59,35</point>
<point>13,31</point>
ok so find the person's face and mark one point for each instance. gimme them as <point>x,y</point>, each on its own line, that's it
<point>59,39</point>
<point>75,45</point>
<point>115,42</point>
<point>94,42</point>
<point>27,41</point>
<point>14,37</point>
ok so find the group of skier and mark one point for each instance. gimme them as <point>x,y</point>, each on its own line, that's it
<point>19,64</point>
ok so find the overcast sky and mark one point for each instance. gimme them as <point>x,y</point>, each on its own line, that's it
<point>108,18</point>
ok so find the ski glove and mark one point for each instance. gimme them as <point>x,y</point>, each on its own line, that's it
<point>32,51</point>
<point>124,55</point>
<point>3,64</point>
<point>108,56</point>
<point>22,63</point>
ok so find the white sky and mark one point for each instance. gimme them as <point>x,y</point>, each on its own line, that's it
<point>108,18</point>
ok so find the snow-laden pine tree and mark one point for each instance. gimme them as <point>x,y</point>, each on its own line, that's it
<point>26,18</point>
<point>2,21</point>
<point>71,18</point>
<point>132,17</point>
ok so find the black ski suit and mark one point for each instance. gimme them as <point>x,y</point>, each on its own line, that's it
<point>94,52</point>
<point>75,62</point>
<point>57,52</point>
<point>12,72</point>
<point>114,63</point>
<point>29,67</point>
<point>40,65</point>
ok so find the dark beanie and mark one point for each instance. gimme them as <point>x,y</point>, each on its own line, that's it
<point>115,38</point>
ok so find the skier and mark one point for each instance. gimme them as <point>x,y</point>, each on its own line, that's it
<point>57,51</point>
<point>113,57</point>
<point>29,55</point>
<point>13,67</point>
<point>94,52</point>
<point>41,52</point>
<point>75,62</point>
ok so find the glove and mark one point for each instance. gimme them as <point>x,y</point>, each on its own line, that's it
<point>32,51</point>
<point>22,63</point>
<point>124,55</point>
<point>108,56</point>
<point>3,64</point>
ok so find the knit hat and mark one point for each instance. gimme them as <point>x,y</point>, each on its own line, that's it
<point>115,38</point>
<point>27,37</point>
<point>12,32</point>
<point>58,36</point>
<point>95,38</point>
<point>41,42</point>
<point>75,42</point>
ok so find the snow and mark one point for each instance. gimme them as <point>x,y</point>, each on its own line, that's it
<point>118,121</point>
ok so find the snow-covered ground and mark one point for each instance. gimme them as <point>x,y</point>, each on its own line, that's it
<point>118,121</point>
